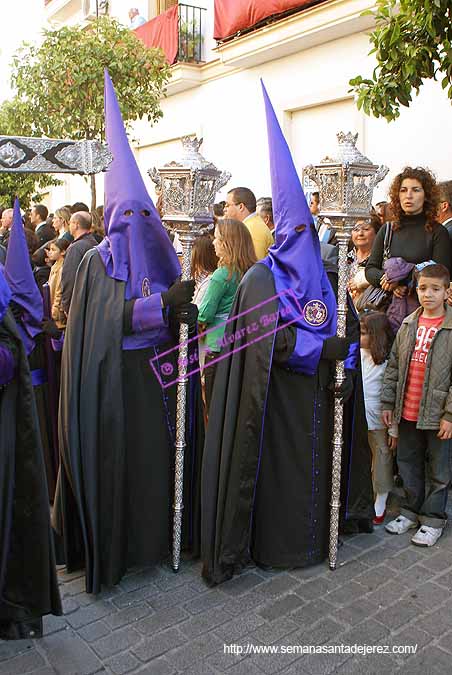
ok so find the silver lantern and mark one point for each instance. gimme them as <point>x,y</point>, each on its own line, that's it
<point>346,183</point>
<point>188,187</point>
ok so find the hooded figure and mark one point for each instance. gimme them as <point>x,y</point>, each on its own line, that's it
<point>267,459</point>
<point>28,584</point>
<point>25,294</point>
<point>27,307</point>
<point>6,356</point>
<point>117,422</point>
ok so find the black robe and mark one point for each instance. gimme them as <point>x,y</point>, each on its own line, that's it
<point>116,436</point>
<point>267,460</point>
<point>28,583</point>
<point>39,365</point>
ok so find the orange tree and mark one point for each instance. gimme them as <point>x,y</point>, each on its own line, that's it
<point>60,82</point>
<point>27,186</point>
<point>412,42</point>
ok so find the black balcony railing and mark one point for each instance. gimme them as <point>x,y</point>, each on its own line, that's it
<point>191,39</point>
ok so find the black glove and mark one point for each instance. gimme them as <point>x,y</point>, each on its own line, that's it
<point>187,313</point>
<point>346,389</point>
<point>180,293</point>
<point>16,310</point>
<point>50,328</point>
<point>284,344</point>
<point>335,348</point>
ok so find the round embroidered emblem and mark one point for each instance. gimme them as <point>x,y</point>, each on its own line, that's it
<point>315,312</point>
<point>146,288</point>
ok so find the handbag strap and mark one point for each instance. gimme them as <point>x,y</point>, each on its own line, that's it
<point>430,244</point>
<point>387,243</point>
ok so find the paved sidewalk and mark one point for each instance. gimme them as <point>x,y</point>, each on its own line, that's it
<point>385,592</point>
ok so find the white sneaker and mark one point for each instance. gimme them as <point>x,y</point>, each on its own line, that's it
<point>427,536</point>
<point>400,525</point>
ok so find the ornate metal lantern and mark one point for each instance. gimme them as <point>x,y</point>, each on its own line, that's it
<point>346,184</point>
<point>188,187</point>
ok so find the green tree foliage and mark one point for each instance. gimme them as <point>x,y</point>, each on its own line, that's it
<point>28,187</point>
<point>61,82</point>
<point>412,42</point>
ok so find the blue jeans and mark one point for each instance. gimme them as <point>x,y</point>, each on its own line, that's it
<point>422,455</point>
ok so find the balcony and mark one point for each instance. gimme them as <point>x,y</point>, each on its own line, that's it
<point>233,19</point>
<point>191,35</point>
<point>324,21</point>
<point>179,32</point>
<point>318,22</point>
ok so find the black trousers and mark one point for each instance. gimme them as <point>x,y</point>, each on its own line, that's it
<point>422,456</point>
<point>209,376</point>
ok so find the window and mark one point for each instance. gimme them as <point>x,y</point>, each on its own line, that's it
<point>313,130</point>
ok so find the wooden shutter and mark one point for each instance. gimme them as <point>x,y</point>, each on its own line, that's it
<point>163,5</point>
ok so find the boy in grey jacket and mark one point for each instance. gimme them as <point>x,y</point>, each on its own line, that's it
<point>417,395</point>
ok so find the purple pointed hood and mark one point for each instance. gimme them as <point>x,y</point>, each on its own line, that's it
<point>5,293</point>
<point>19,275</point>
<point>295,258</point>
<point>136,248</point>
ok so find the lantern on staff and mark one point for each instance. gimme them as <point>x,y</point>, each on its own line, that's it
<point>346,183</point>
<point>188,187</point>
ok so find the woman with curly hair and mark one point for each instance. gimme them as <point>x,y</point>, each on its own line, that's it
<point>235,250</point>
<point>416,234</point>
<point>416,237</point>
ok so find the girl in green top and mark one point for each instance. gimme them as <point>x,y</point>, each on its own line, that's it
<point>234,248</point>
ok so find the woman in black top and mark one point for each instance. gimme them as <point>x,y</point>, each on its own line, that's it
<point>416,235</point>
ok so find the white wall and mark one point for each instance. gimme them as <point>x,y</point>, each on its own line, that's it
<point>421,137</point>
<point>74,189</point>
<point>309,91</point>
<point>21,21</point>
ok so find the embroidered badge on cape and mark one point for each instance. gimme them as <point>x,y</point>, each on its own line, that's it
<point>315,312</point>
<point>146,288</point>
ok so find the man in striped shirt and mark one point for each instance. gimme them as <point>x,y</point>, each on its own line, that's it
<point>417,394</point>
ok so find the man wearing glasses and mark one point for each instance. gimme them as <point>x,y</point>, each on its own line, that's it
<point>241,205</point>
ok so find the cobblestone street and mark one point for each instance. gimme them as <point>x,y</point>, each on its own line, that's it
<point>384,592</point>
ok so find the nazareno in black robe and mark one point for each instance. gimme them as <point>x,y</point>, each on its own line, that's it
<point>266,476</point>
<point>28,582</point>
<point>116,436</point>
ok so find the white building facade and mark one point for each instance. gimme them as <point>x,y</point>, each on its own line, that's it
<point>306,61</point>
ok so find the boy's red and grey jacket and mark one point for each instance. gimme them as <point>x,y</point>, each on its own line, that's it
<point>436,401</point>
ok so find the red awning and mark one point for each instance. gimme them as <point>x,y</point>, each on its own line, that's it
<point>162,32</point>
<point>232,16</point>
